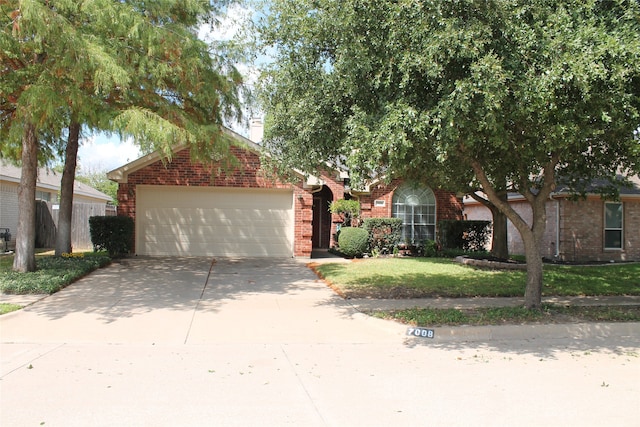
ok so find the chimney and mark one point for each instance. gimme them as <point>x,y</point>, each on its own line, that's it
<point>256,130</point>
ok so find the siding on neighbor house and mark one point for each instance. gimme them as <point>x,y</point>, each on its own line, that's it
<point>514,242</point>
<point>9,211</point>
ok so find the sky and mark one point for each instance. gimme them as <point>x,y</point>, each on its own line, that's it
<point>102,153</point>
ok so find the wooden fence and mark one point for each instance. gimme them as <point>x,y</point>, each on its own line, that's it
<point>47,223</point>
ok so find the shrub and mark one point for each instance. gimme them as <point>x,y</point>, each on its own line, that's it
<point>465,235</point>
<point>384,233</point>
<point>112,233</point>
<point>52,274</point>
<point>430,248</point>
<point>352,241</point>
<point>349,210</point>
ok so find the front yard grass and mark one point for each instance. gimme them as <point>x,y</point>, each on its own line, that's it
<point>439,277</point>
<point>52,274</point>
<point>6,307</point>
<point>395,278</point>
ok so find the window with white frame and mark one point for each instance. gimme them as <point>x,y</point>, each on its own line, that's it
<point>416,206</point>
<point>613,223</point>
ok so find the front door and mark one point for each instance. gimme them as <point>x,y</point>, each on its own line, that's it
<point>321,218</point>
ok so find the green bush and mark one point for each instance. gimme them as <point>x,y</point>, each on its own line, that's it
<point>352,241</point>
<point>112,233</point>
<point>384,233</point>
<point>465,235</point>
<point>349,210</point>
<point>52,273</point>
<point>430,248</point>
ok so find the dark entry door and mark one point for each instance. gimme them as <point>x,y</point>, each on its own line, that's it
<point>321,218</point>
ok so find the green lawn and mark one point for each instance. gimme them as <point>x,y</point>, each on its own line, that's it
<point>438,277</point>
<point>52,273</point>
<point>511,315</point>
<point>6,307</point>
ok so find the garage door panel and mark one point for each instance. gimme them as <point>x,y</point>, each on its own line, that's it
<point>222,216</point>
<point>213,234</point>
<point>210,221</point>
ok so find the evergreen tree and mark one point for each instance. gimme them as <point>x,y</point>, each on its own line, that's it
<point>132,67</point>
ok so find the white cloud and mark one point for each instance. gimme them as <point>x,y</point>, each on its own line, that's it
<point>101,152</point>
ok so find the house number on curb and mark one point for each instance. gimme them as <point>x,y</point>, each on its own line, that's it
<point>420,332</point>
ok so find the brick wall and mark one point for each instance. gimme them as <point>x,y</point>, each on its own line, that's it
<point>448,206</point>
<point>582,231</point>
<point>580,234</point>
<point>182,171</point>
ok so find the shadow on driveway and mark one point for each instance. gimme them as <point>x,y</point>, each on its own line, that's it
<point>148,299</point>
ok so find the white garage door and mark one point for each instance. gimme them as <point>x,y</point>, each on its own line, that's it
<point>205,221</point>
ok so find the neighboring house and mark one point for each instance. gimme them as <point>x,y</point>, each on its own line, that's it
<point>85,199</point>
<point>591,229</point>
<point>187,209</point>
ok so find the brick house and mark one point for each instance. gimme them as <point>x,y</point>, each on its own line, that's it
<point>184,208</point>
<point>593,229</point>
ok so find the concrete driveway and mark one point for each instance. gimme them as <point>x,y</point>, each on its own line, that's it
<point>196,301</point>
<point>168,342</point>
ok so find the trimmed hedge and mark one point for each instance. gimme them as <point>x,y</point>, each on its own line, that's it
<point>352,241</point>
<point>465,235</point>
<point>112,233</point>
<point>384,233</point>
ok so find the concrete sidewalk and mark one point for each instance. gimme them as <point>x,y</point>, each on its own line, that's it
<point>371,304</point>
<point>166,342</point>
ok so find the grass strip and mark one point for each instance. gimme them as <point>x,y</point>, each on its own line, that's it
<point>549,313</point>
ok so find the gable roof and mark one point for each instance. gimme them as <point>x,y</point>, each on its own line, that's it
<point>121,174</point>
<point>632,191</point>
<point>50,180</point>
<point>596,184</point>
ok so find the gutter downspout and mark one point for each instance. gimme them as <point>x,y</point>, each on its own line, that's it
<point>557,254</point>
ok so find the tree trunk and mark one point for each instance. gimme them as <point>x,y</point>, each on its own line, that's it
<point>531,234</point>
<point>63,236</point>
<point>25,256</point>
<point>499,244</point>
<point>533,291</point>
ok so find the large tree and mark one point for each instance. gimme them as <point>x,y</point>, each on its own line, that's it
<point>505,95</point>
<point>133,67</point>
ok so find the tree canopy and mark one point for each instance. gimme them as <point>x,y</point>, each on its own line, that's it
<point>494,95</point>
<point>132,67</point>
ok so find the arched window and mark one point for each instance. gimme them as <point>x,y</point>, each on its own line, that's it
<point>416,206</point>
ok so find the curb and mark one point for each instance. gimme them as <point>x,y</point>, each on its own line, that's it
<point>576,331</point>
